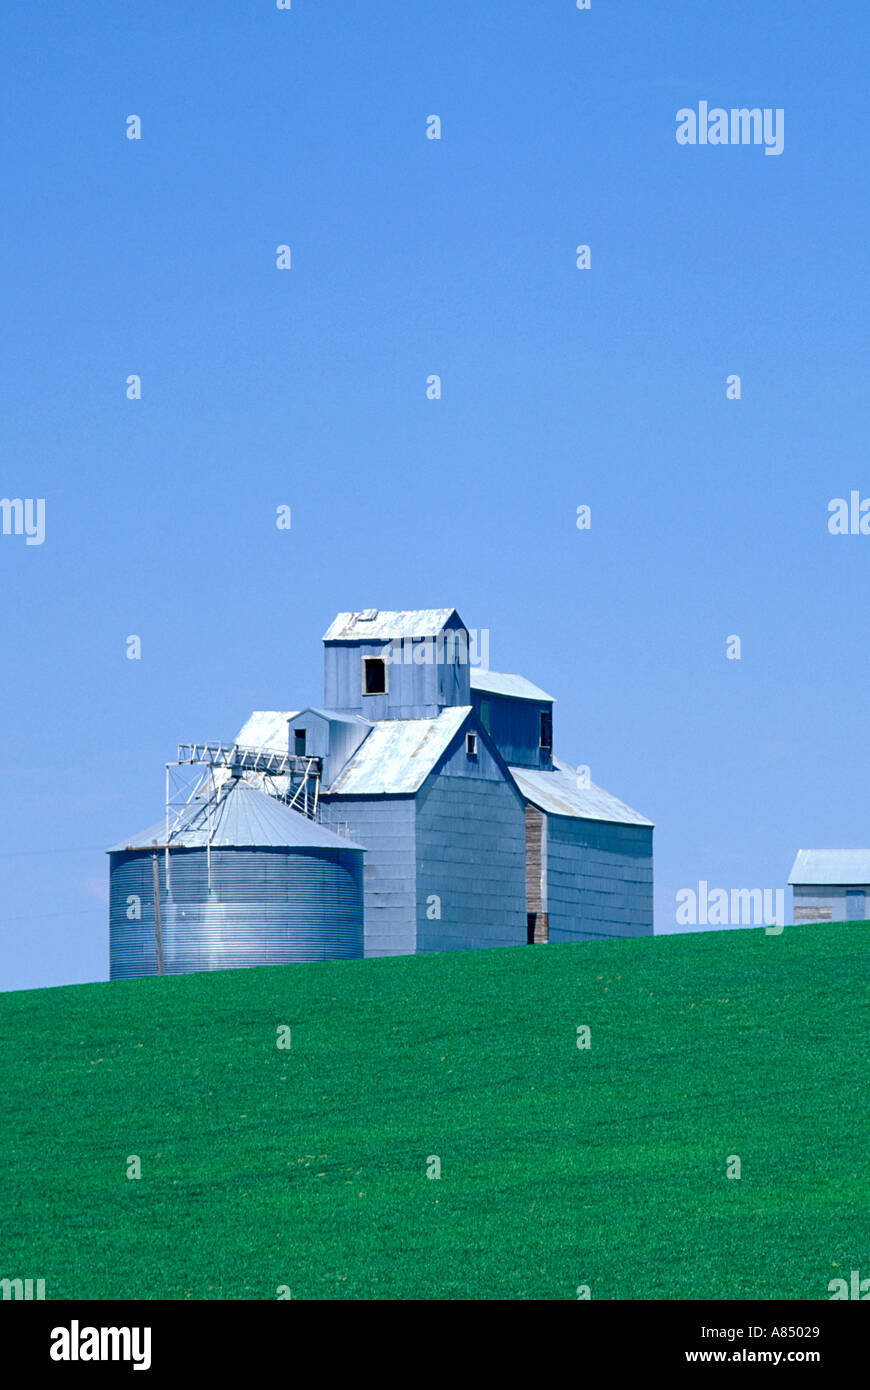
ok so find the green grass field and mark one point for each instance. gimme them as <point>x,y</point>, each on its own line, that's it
<point>559,1167</point>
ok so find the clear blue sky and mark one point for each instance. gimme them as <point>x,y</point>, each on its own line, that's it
<point>307,388</point>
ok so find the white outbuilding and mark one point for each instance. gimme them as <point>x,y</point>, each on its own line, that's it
<point>831,885</point>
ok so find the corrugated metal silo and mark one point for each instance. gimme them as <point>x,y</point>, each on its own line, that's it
<point>246,881</point>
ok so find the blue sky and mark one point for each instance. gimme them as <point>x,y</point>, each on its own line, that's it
<point>306,387</point>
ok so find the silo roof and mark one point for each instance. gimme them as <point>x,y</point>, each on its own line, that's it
<point>241,817</point>
<point>560,793</point>
<point>504,683</point>
<point>384,624</point>
<point>834,867</point>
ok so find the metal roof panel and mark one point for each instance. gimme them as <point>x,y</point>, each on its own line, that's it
<point>397,756</point>
<point>388,624</point>
<point>267,728</point>
<point>334,715</point>
<point>835,867</point>
<point>504,683</point>
<point>241,816</point>
<point>560,793</point>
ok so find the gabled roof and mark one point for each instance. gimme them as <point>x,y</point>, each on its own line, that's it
<point>377,625</point>
<point>397,756</point>
<point>502,683</point>
<point>837,867</point>
<point>266,728</point>
<point>560,793</point>
<point>333,715</point>
<point>241,817</point>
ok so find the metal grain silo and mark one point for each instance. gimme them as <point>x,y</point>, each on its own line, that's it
<point>241,880</point>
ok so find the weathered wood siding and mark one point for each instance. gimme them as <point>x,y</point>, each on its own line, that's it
<point>829,903</point>
<point>536,875</point>
<point>536,887</point>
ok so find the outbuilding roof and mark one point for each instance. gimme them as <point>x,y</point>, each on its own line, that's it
<point>398,755</point>
<point>333,715</point>
<point>831,866</point>
<point>503,683</point>
<point>240,816</point>
<point>377,625</point>
<point>560,793</point>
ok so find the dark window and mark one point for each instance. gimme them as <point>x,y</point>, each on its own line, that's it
<point>486,714</point>
<point>546,729</point>
<point>374,675</point>
<point>299,742</point>
<point>471,745</point>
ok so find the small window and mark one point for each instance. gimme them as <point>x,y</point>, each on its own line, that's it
<point>299,742</point>
<point>546,729</point>
<point>471,745</point>
<point>486,714</point>
<point>374,675</point>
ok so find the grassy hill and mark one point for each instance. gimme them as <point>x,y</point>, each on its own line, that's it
<point>559,1167</point>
